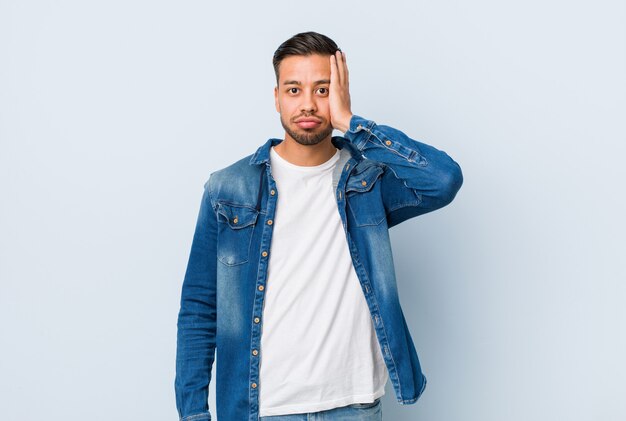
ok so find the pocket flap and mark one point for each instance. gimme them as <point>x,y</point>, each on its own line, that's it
<point>237,216</point>
<point>364,180</point>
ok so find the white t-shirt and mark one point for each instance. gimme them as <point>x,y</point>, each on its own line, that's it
<point>318,345</point>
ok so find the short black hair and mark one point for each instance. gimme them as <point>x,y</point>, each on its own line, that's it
<point>304,44</point>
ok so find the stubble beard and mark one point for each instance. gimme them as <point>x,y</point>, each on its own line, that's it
<point>306,137</point>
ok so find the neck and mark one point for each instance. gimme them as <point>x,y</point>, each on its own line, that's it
<point>305,155</point>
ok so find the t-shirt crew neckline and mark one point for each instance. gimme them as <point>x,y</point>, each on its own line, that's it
<point>306,168</point>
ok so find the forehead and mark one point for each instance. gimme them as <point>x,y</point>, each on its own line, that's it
<point>304,68</point>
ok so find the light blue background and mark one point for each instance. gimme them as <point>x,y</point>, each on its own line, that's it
<point>113,114</point>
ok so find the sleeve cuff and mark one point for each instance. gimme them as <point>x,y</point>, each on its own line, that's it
<point>359,130</point>
<point>205,416</point>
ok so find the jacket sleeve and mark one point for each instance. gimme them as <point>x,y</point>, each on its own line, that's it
<point>197,318</point>
<point>418,178</point>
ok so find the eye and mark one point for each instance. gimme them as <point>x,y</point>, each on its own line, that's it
<point>291,90</point>
<point>323,91</point>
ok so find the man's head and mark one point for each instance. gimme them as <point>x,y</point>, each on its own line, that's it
<point>302,67</point>
<point>303,44</point>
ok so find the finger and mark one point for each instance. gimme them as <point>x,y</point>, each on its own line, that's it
<point>347,75</point>
<point>333,70</point>
<point>340,67</point>
<point>335,66</point>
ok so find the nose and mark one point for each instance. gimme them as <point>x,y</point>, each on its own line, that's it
<point>308,103</point>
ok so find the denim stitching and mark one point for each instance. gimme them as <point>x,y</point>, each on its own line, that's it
<point>392,149</point>
<point>369,134</point>
<point>419,196</point>
<point>229,203</point>
<point>208,185</point>
<point>196,416</point>
<point>249,226</point>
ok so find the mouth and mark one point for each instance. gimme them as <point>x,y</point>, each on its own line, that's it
<point>308,123</point>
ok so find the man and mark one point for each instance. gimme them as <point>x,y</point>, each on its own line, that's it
<point>291,275</point>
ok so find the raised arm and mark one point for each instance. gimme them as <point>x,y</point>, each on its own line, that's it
<point>418,178</point>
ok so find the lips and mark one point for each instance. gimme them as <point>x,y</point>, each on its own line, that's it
<point>308,123</point>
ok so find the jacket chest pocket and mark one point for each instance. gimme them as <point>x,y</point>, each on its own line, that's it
<point>235,226</point>
<point>364,198</point>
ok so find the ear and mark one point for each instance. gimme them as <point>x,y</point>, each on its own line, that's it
<point>276,99</point>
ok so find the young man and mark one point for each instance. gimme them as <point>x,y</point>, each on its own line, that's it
<point>291,275</point>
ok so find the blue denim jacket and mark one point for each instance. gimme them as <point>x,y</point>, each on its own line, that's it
<point>382,178</point>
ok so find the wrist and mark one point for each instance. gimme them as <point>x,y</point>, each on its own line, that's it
<point>343,124</point>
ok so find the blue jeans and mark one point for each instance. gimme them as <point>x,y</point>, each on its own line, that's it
<point>355,412</point>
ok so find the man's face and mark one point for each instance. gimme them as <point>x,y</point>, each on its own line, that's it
<point>302,93</point>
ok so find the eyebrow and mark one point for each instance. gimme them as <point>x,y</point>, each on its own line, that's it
<point>295,82</point>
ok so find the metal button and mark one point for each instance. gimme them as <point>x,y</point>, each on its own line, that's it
<point>387,142</point>
<point>347,166</point>
<point>272,192</point>
<point>264,254</point>
<point>364,183</point>
<point>255,352</point>
<point>257,320</point>
<point>261,287</point>
<point>359,127</point>
<point>235,220</point>
<point>269,222</point>
<point>254,385</point>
